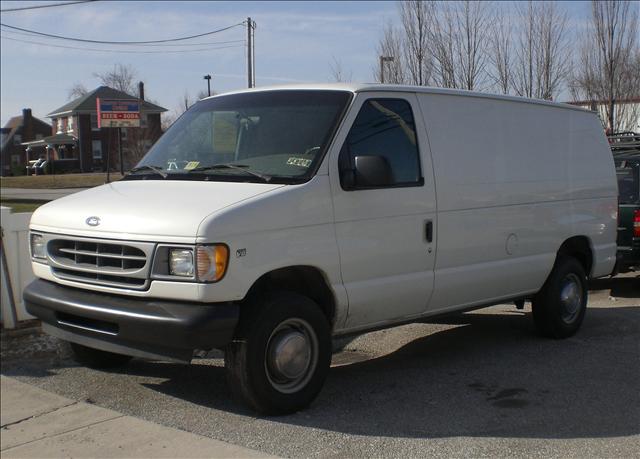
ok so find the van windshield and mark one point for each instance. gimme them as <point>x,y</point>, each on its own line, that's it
<point>271,136</point>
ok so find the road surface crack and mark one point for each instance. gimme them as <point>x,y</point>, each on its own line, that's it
<point>9,424</point>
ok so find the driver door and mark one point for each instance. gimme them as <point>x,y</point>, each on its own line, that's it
<point>386,234</point>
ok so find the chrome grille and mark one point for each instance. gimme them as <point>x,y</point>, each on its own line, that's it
<point>122,264</point>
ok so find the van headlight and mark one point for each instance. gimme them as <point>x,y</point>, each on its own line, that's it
<point>181,262</point>
<point>199,263</point>
<point>38,247</point>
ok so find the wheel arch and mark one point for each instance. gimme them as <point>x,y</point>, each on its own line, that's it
<point>578,247</point>
<point>305,280</point>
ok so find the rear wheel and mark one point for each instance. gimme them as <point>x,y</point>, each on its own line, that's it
<point>95,358</point>
<point>280,357</point>
<point>560,306</point>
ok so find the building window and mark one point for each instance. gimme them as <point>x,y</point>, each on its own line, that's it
<point>70,124</point>
<point>60,126</point>
<point>143,120</point>
<point>96,148</point>
<point>94,121</point>
<point>38,136</point>
<point>125,134</point>
<point>17,139</point>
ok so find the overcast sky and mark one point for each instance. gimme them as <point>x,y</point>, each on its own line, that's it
<point>295,42</point>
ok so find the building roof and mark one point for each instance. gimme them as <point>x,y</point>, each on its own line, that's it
<point>17,122</point>
<point>629,100</point>
<point>56,139</point>
<point>87,103</point>
<point>375,87</point>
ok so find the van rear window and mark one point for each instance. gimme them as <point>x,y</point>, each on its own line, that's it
<point>628,184</point>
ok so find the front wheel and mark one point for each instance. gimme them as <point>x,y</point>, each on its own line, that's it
<point>560,306</point>
<point>280,357</point>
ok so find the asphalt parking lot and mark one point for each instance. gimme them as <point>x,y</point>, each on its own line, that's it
<point>475,384</point>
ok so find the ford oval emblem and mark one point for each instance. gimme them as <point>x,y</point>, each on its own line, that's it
<point>93,221</point>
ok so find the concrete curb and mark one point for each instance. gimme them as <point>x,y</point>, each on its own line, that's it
<point>37,423</point>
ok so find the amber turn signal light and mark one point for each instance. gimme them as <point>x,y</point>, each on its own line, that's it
<point>211,262</point>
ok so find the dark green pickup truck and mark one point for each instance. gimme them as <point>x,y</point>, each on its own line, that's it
<point>626,156</point>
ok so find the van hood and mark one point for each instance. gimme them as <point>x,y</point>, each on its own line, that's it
<point>143,209</point>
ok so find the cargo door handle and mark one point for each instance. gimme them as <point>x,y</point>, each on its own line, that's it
<point>428,231</point>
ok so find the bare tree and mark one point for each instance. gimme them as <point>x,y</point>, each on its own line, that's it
<point>417,17</point>
<point>609,59</point>
<point>542,54</point>
<point>338,73</point>
<point>122,78</point>
<point>553,61</point>
<point>472,22</point>
<point>185,102</point>
<point>443,36</point>
<point>500,52</point>
<point>390,45</point>
<point>77,90</point>
<point>523,75</point>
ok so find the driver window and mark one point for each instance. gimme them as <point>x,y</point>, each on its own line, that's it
<point>386,127</point>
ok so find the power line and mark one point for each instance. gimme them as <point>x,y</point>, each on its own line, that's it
<point>124,51</point>
<point>50,5</point>
<point>83,40</point>
<point>24,34</point>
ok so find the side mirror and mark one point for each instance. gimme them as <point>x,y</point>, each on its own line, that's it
<point>372,171</point>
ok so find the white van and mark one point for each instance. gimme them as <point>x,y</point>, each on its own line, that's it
<point>266,222</point>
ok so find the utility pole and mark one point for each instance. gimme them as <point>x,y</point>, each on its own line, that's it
<point>251,63</point>
<point>208,78</point>
<point>120,151</point>
<point>384,59</point>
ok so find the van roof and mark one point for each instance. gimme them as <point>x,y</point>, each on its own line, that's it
<point>369,87</point>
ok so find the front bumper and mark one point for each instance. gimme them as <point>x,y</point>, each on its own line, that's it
<point>147,328</point>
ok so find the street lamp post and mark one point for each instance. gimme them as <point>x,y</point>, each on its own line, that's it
<point>208,78</point>
<point>384,59</point>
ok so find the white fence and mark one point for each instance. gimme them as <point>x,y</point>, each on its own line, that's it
<point>15,269</point>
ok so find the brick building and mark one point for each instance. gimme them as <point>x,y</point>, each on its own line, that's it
<point>19,129</point>
<point>93,147</point>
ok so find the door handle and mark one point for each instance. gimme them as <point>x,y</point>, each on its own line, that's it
<point>428,230</point>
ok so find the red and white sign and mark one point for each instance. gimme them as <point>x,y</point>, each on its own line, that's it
<point>118,113</point>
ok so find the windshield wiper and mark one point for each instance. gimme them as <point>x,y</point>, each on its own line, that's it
<point>156,169</point>
<point>238,167</point>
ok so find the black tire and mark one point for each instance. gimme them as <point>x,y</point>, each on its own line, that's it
<point>560,306</point>
<point>253,371</point>
<point>95,358</point>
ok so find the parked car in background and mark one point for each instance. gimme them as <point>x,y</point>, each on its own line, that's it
<point>36,166</point>
<point>626,153</point>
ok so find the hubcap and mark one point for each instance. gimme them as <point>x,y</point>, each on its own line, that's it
<point>571,297</point>
<point>291,355</point>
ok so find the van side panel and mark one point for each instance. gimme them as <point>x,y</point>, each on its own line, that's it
<point>594,190</point>
<point>509,193</point>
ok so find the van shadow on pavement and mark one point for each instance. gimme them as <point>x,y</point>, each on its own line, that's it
<point>491,376</point>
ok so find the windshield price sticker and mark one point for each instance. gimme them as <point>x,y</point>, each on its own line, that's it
<point>299,162</point>
<point>191,165</point>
